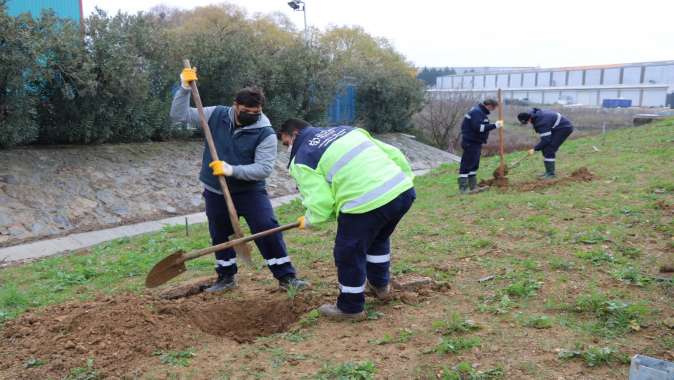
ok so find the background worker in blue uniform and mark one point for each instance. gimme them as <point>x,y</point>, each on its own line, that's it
<point>368,186</point>
<point>475,130</point>
<point>247,145</point>
<point>553,128</point>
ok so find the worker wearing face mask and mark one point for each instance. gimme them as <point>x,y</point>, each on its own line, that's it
<point>247,145</point>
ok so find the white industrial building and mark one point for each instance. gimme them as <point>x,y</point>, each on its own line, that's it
<point>646,84</point>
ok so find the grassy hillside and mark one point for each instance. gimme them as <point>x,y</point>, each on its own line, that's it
<point>575,290</point>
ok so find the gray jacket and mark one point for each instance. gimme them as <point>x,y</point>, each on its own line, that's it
<point>265,153</point>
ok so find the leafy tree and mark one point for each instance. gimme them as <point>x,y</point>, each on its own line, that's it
<point>17,100</point>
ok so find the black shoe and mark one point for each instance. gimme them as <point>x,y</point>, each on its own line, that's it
<point>223,283</point>
<point>291,281</point>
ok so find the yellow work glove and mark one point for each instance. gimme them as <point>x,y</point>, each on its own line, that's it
<point>187,76</point>
<point>530,152</point>
<point>499,124</point>
<point>303,223</point>
<point>221,168</point>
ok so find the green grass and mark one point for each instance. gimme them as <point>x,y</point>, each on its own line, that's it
<point>595,356</point>
<point>456,345</point>
<point>577,261</point>
<point>348,371</point>
<point>176,358</point>
<point>465,371</point>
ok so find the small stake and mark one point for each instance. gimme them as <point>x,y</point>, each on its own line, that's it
<point>187,228</point>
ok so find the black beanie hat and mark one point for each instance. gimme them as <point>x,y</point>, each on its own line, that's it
<point>523,117</point>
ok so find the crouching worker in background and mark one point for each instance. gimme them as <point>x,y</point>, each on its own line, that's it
<point>368,186</point>
<point>553,128</point>
<point>475,130</point>
<point>247,145</point>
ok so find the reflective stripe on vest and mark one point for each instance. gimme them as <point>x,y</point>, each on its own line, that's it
<point>376,192</point>
<point>345,159</point>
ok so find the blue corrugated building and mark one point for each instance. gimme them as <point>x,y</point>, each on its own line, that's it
<point>71,9</point>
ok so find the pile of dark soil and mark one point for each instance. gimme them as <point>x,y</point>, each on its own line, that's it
<point>580,175</point>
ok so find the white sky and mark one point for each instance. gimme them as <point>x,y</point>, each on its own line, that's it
<point>542,33</point>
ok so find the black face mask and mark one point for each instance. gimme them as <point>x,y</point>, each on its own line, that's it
<point>246,118</point>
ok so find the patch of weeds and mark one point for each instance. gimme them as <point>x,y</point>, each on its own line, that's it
<point>372,313</point>
<point>402,268</point>
<point>496,305</point>
<point>529,264</point>
<point>84,373</point>
<point>465,371</point>
<point>523,288</point>
<point>11,298</point>
<point>310,318</point>
<point>630,275</point>
<point>614,317</point>
<point>296,336</point>
<point>404,336</point>
<point>558,263</point>
<point>596,257</point>
<point>176,358</point>
<point>348,371</point>
<point>482,243</point>
<point>456,345</point>
<point>292,292</point>
<point>631,252</point>
<point>667,342</point>
<point>537,322</point>
<point>591,237</point>
<point>595,356</point>
<point>33,362</point>
<point>455,324</point>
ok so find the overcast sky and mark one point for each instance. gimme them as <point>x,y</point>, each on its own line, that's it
<point>542,33</point>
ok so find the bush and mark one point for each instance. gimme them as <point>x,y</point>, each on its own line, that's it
<point>114,80</point>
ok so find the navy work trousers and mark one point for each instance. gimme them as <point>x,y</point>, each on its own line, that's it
<point>470,159</point>
<point>363,249</point>
<point>558,137</point>
<point>255,208</point>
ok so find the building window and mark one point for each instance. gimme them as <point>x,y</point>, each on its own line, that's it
<point>559,79</point>
<point>592,77</point>
<point>611,76</point>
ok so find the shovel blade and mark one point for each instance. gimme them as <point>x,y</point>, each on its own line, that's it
<point>243,250</point>
<point>170,267</point>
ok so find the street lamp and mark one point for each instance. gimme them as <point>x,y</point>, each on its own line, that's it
<point>299,5</point>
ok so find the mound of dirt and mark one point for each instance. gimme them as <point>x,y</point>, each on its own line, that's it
<point>121,332</point>
<point>579,175</point>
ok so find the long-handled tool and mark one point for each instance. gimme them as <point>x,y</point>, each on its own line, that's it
<point>502,166</point>
<point>242,249</point>
<point>174,264</point>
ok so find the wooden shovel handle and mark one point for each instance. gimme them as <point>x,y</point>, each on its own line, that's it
<point>501,149</point>
<point>232,243</point>
<point>233,217</point>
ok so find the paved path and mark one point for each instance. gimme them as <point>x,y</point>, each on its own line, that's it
<point>83,240</point>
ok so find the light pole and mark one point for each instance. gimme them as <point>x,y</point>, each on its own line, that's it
<point>300,5</point>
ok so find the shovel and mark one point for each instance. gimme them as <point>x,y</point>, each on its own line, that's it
<point>242,249</point>
<point>174,264</point>
<point>502,167</point>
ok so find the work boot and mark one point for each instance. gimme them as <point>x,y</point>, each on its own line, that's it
<point>549,170</point>
<point>223,283</point>
<point>463,185</point>
<point>333,312</point>
<point>382,293</point>
<point>290,281</point>
<point>472,184</point>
